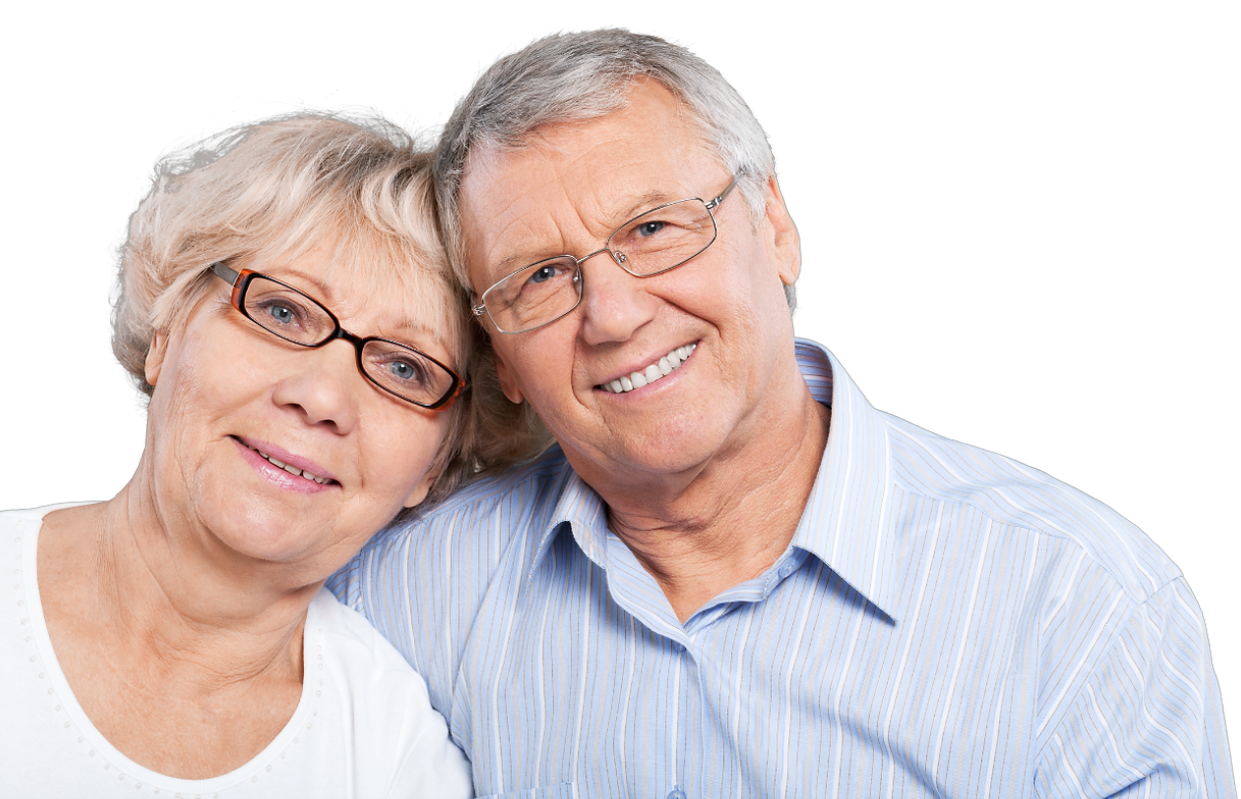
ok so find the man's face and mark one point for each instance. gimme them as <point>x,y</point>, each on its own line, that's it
<point>564,192</point>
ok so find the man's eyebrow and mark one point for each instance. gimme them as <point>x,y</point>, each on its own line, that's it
<point>640,205</point>
<point>644,203</point>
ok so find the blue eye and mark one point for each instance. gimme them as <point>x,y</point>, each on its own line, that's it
<point>650,228</point>
<point>543,274</point>
<point>281,313</point>
<point>407,372</point>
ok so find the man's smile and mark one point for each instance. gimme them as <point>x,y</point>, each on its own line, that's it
<point>664,366</point>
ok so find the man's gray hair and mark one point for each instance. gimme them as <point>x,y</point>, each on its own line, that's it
<point>572,77</point>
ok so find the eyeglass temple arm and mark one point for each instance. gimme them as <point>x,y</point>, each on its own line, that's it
<point>229,276</point>
<point>233,278</point>
<point>732,184</point>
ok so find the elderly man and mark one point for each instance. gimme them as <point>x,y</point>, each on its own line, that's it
<point>733,577</point>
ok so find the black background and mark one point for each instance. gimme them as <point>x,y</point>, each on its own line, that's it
<point>1005,223</point>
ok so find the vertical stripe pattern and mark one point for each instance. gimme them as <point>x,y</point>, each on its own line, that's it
<point>946,622</point>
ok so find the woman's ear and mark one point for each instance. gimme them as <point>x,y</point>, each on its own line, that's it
<point>422,489</point>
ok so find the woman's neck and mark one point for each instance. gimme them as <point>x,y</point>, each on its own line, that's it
<point>148,623</point>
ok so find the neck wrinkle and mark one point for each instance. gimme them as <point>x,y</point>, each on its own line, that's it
<point>699,538</point>
<point>186,614</point>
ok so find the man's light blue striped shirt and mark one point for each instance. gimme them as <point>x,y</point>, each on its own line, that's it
<point>946,622</point>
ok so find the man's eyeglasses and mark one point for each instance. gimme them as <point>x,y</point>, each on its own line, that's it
<point>651,243</point>
<point>297,318</point>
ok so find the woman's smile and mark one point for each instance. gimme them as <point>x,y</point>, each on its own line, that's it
<point>284,469</point>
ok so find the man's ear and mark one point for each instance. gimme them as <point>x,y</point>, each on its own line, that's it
<point>155,358</point>
<point>784,231</point>
<point>508,380</point>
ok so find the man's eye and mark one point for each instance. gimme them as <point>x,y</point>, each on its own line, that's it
<point>650,228</point>
<point>544,273</point>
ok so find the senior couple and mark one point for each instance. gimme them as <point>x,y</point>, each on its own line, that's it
<point>729,577</point>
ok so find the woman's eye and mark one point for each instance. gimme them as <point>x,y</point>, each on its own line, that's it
<point>406,371</point>
<point>282,314</point>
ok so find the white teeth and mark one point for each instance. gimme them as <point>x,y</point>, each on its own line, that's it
<point>664,366</point>
<point>292,469</point>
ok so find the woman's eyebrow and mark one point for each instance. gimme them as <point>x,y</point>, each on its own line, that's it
<point>322,290</point>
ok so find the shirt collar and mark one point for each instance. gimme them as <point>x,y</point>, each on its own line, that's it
<point>843,523</point>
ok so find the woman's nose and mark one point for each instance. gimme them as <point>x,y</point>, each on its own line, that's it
<point>324,386</point>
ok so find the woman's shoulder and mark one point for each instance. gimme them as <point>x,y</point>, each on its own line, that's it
<point>30,520</point>
<point>15,515</point>
<point>349,640</point>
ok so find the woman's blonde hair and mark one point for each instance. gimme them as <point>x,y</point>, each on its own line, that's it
<point>283,187</point>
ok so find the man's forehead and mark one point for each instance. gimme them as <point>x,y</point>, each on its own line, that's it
<point>572,182</point>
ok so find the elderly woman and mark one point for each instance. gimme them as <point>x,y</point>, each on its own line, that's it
<point>286,305</point>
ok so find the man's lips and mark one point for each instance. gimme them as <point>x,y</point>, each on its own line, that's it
<point>655,371</point>
<point>293,464</point>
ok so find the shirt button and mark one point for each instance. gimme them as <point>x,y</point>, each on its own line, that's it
<point>787,568</point>
<point>676,793</point>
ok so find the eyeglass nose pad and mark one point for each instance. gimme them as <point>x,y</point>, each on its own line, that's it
<point>619,256</point>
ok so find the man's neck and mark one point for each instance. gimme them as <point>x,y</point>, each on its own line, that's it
<point>701,534</point>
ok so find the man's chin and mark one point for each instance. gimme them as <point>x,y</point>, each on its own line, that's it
<point>658,458</point>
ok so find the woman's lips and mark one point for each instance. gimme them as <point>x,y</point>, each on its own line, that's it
<point>285,468</point>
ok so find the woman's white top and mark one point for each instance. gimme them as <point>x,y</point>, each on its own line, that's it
<point>364,726</point>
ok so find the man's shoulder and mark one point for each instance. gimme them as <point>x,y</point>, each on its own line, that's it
<point>503,505</point>
<point>422,581</point>
<point>1024,498</point>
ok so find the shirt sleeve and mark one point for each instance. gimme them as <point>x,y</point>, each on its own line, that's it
<point>1148,719</point>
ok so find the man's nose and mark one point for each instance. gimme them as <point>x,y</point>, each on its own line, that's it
<point>323,386</point>
<point>614,303</point>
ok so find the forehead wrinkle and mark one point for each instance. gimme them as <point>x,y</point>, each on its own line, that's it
<point>385,301</point>
<point>526,233</point>
<point>573,171</point>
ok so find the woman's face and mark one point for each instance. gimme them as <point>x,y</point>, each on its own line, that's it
<point>230,397</point>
